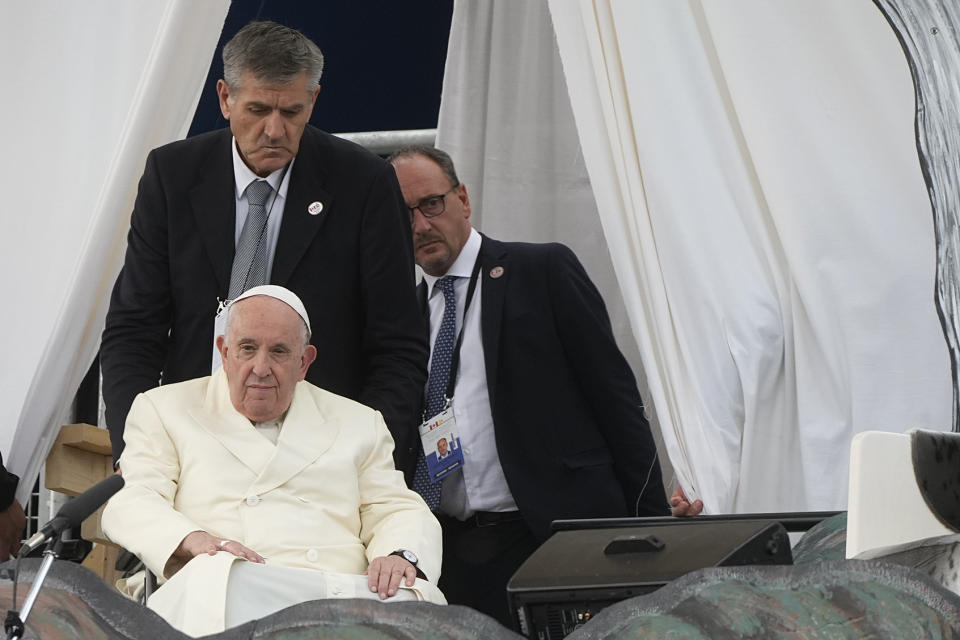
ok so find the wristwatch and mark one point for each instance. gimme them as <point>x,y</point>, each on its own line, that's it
<point>407,555</point>
<point>412,558</point>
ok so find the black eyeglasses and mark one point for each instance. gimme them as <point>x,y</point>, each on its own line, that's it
<point>432,206</point>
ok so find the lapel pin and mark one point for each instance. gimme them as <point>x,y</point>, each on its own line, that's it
<point>496,272</point>
<point>315,208</point>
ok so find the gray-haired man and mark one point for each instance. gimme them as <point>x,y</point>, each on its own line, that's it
<point>269,200</point>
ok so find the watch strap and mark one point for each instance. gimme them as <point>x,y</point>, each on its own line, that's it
<point>399,552</point>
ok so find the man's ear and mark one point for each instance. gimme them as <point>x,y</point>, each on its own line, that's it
<point>309,355</point>
<point>464,199</point>
<point>223,94</point>
<point>222,347</point>
<point>313,100</point>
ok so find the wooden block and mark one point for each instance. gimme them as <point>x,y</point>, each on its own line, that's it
<point>91,530</point>
<point>76,461</point>
<point>86,437</point>
<point>80,457</point>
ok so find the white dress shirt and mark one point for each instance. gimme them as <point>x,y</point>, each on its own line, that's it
<point>270,429</point>
<point>481,486</point>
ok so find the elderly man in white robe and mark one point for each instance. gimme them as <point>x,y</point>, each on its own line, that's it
<point>251,490</point>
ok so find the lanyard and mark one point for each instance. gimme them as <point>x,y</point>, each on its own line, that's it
<point>455,360</point>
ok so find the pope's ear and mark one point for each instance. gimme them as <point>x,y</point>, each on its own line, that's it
<point>222,346</point>
<point>309,355</point>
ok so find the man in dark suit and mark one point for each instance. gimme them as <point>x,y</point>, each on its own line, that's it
<point>546,408</point>
<point>331,227</point>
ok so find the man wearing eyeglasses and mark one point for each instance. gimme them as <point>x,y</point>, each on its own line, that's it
<point>525,372</point>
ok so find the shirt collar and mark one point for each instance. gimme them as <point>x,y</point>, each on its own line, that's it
<point>462,267</point>
<point>243,175</point>
<point>276,422</point>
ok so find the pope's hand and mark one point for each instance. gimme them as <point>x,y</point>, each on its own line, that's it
<point>384,575</point>
<point>199,542</point>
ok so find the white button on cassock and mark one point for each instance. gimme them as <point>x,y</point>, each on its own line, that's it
<point>312,555</point>
<point>253,501</point>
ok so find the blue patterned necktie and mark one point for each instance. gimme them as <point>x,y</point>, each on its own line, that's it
<point>437,384</point>
<point>250,260</point>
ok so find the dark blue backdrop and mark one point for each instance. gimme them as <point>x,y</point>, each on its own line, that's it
<point>383,60</point>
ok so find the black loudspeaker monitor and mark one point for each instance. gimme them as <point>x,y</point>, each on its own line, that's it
<point>578,572</point>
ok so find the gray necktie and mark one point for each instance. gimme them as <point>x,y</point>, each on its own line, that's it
<point>250,260</point>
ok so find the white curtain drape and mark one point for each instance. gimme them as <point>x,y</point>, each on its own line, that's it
<point>91,87</point>
<point>757,183</point>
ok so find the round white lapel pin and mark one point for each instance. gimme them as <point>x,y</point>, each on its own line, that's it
<point>315,208</point>
<point>496,272</point>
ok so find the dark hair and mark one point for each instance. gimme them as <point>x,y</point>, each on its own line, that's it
<point>442,158</point>
<point>272,53</point>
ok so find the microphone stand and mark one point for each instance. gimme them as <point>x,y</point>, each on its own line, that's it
<point>16,628</point>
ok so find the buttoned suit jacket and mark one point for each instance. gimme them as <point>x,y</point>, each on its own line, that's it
<point>568,420</point>
<point>327,496</point>
<point>351,265</point>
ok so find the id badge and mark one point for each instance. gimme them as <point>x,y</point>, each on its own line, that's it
<point>441,444</point>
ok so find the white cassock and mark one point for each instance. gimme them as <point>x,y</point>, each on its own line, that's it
<point>325,497</point>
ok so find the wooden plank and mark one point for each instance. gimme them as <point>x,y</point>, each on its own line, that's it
<point>72,469</point>
<point>80,457</point>
<point>86,437</point>
<point>91,530</point>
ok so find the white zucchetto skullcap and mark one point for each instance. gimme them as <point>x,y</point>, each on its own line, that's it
<point>280,293</point>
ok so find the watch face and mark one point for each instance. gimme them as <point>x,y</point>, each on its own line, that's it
<point>409,556</point>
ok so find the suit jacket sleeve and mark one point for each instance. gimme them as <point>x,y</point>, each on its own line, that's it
<point>606,380</point>
<point>394,345</point>
<point>134,342</point>
<point>393,517</point>
<point>141,517</point>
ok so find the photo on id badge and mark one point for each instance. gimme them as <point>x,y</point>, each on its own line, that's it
<point>441,445</point>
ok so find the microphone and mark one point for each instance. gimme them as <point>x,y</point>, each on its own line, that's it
<point>75,512</point>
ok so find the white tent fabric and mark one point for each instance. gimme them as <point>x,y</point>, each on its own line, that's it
<point>91,88</point>
<point>757,183</point>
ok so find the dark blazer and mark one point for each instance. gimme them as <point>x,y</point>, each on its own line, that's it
<point>352,265</point>
<point>569,423</point>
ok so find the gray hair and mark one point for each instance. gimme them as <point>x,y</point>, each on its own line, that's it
<point>271,52</point>
<point>228,319</point>
<point>442,158</point>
